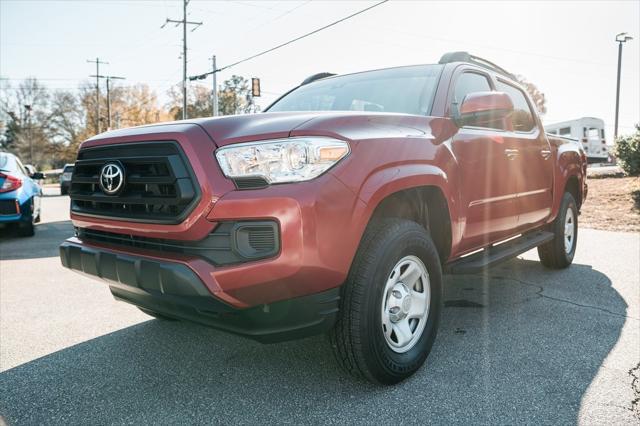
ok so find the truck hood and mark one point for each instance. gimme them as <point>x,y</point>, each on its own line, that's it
<point>349,125</point>
<point>251,127</point>
<point>352,126</point>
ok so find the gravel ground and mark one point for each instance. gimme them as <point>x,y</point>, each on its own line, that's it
<point>613,204</point>
<point>533,346</point>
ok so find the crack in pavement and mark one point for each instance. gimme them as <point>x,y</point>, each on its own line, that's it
<point>540,290</point>
<point>635,386</point>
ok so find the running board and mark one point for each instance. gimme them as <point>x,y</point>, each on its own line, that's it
<point>492,255</point>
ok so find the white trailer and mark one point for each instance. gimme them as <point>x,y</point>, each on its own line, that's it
<point>589,131</point>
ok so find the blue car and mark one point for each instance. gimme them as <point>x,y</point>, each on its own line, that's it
<point>19,195</point>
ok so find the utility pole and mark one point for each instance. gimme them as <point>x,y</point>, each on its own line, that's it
<point>97,76</point>
<point>109,78</point>
<point>620,38</point>
<point>214,93</point>
<point>184,23</point>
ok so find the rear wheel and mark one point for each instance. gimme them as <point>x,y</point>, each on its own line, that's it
<point>390,304</point>
<point>559,252</point>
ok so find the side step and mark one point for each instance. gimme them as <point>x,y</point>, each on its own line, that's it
<point>492,255</point>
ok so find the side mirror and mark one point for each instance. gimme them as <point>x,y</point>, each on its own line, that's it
<point>484,108</point>
<point>37,176</point>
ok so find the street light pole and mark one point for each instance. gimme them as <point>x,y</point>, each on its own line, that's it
<point>620,38</point>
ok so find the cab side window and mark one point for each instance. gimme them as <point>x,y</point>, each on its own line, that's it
<point>522,117</point>
<point>471,82</point>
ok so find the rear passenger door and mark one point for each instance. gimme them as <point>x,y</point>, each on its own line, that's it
<point>487,171</point>
<point>534,162</point>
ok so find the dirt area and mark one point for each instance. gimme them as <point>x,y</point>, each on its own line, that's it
<point>613,204</point>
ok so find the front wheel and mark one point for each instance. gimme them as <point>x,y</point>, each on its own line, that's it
<point>559,252</point>
<point>390,304</point>
<point>26,229</point>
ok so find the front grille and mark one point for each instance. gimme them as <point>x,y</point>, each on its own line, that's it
<point>159,184</point>
<point>8,207</point>
<point>230,243</point>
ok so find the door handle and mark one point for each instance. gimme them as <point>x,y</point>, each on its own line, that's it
<point>511,153</point>
<point>546,154</point>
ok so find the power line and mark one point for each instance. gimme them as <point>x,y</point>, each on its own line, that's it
<point>202,76</point>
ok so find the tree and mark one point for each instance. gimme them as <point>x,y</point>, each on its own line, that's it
<point>26,112</point>
<point>134,106</point>
<point>627,152</point>
<point>536,95</point>
<point>235,97</point>
<point>198,102</point>
<point>67,127</point>
<point>51,125</point>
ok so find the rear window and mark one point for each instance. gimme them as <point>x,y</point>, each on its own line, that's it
<point>522,117</point>
<point>67,169</point>
<point>8,163</point>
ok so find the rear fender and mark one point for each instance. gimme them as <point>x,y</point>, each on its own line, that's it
<point>569,164</point>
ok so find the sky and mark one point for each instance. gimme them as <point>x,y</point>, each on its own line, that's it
<point>566,48</point>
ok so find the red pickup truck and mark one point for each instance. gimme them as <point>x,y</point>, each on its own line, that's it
<point>337,210</point>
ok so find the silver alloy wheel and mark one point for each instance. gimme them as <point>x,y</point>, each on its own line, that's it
<point>405,304</point>
<point>569,230</point>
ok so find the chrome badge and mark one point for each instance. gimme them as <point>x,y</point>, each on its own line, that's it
<point>111,178</point>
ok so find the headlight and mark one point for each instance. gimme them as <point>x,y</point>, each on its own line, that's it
<point>282,160</point>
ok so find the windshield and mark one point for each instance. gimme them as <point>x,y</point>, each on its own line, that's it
<point>407,90</point>
<point>67,169</point>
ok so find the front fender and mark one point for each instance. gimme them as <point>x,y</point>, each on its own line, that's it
<point>387,181</point>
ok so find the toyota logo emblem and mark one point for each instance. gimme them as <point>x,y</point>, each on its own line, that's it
<point>111,178</point>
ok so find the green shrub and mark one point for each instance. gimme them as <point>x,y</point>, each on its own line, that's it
<point>627,151</point>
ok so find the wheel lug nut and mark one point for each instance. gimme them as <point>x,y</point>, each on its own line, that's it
<point>396,294</point>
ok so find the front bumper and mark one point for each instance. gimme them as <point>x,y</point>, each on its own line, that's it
<point>175,289</point>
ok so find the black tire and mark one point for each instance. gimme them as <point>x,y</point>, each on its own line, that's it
<point>357,339</point>
<point>63,191</point>
<point>26,229</point>
<point>156,314</point>
<point>553,254</point>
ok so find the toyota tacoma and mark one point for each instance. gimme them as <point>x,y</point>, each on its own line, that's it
<point>336,210</point>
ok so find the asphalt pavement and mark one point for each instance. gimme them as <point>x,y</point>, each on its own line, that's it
<point>521,344</point>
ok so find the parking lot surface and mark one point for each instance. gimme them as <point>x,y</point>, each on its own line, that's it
<point>521,344</point>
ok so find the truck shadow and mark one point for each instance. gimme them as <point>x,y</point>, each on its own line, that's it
<point>519,344</point>
<point>43,244</point>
